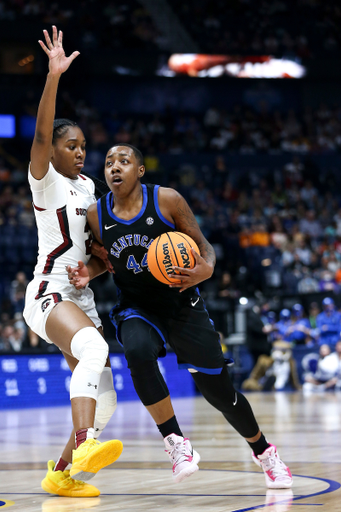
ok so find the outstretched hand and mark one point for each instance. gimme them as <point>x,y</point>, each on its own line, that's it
<point>78,276</point>
<point>191,277</point>
<point>58,62</point>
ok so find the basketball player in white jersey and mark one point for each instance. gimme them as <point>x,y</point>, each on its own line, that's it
<point>54,309</point>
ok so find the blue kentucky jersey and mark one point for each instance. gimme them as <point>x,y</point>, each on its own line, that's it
<point>329,327</point>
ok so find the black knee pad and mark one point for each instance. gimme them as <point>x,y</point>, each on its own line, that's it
<point>141,342</point>
<point>149,383</point>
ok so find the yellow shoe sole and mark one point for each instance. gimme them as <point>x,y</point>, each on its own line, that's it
<point>103,455</point>
<point>88,491</point>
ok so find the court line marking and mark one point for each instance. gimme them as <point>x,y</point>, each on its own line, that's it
<point>332,486</point>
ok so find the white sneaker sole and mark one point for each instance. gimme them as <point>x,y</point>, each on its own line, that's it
<point>269,483</point>
<point>186,472</point>
<point>278,485</point>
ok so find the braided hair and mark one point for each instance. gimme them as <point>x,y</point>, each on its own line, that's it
<point>60,127</point>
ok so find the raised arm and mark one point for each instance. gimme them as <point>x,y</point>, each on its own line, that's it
<point>58,64</point>
<point>175,208</point>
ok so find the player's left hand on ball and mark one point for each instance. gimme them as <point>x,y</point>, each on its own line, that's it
<point>78,276</point>
<point>191,277</point>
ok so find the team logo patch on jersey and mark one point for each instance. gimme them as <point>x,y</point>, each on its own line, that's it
<point>45,304</point>
<point>149,221</point>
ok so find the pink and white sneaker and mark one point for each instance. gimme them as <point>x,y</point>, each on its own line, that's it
<point>277,474</point>
<point>182,456</point>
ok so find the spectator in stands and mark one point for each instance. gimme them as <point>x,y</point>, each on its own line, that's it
<point>257,329</point>
<point>17,292</point>
<point>328,370</point>
<point>310,225</point>
<point>315,373</point>
<point>282,326</point>
<point>307,283</point>
<point>328,323</point>
<point>302,252</point>
<point>11,340</point>
<point>314,311</point>
<point>299,332</point>
<point>259,236</point>
<point>308,194</point>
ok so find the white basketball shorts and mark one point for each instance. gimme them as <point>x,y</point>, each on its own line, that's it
<point>44,293</point>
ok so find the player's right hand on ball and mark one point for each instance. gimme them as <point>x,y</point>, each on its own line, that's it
<point>78,276</point>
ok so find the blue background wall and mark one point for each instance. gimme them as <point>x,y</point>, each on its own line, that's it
<point>44,380</point>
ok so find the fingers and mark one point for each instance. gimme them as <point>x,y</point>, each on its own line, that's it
<point>60,39</point>
<point>73,56</point>
<point>46,50</point>
<point>54,35</point>
<point>56,38</point>
<point>180,270</point>
<point>48,40</point>
<point>195,254</point>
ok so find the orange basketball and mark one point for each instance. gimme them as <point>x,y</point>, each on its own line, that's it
<point>168,250</point>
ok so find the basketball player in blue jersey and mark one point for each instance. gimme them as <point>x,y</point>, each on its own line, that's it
<point>61,196</point>
<point>150,314</point>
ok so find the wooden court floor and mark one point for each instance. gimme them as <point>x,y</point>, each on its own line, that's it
<point>306,430</point>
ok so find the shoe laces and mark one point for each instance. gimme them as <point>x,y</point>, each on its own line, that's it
<point>178,453</point>
<point>89,444</point>
<point>274,463</point>
<point>70,481</point>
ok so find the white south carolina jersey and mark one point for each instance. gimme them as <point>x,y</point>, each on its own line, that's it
<point>60,206</point>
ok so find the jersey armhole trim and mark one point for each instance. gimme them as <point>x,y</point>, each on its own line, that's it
<point>157,208</point>
<point>99,213</point>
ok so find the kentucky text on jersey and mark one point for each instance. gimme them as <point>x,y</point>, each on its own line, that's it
<point>128,241</point>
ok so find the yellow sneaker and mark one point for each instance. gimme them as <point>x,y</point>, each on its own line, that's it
<point>91,456</point>
<point>60,483</point>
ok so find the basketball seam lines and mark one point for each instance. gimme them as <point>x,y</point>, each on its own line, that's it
<point>180,234</point>
<point>157,261</point>
<point>176,257</point>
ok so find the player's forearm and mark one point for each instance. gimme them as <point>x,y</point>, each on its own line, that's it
<point>96,267</point>
<point>207,252</point>
<point>46,110</point>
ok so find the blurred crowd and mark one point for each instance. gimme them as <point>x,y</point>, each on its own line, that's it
<point>114,24</point>
<point>271,340</point>
<point>295,28</point>
<point>303,28</point>
<point>245,129</point>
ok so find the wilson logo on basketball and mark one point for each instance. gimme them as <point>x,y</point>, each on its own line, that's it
<point>184,255</point>
<point>171,249</point>
<point>167,262</point>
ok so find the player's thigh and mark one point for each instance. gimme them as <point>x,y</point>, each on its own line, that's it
<point>64,321</point>
<point>194,340</point>
<point>141,340</point>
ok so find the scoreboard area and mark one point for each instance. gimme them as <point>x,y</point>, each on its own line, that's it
<point>44,380</point>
